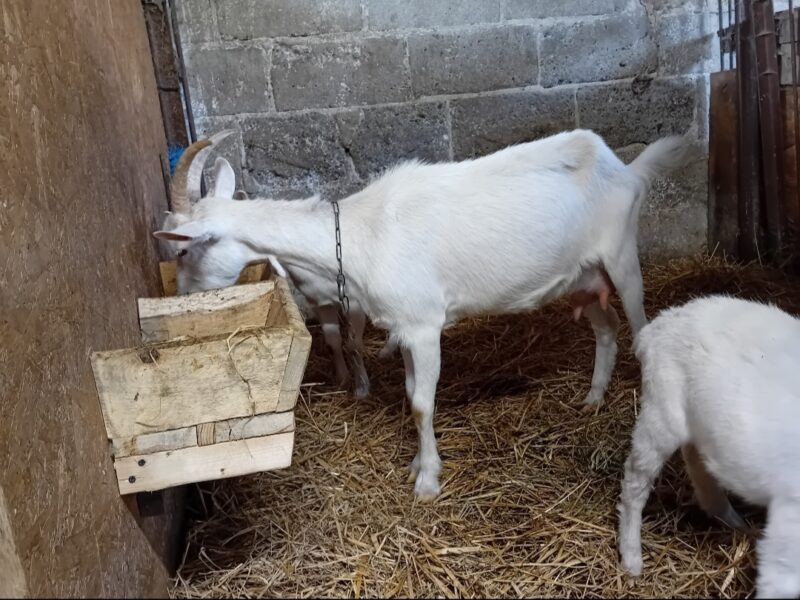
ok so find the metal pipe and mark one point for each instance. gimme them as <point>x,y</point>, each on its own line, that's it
<point>719,35</point>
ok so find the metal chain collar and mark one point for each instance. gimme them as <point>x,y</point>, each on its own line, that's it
<point>351,350</point>
<point>341,282</point>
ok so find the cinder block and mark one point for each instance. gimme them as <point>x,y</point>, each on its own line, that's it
<point>378,137</point>
<point>247,19</point>
<point>195,20</point>
<point>327,74</point>
<point>484,124</point>
<point>291,156</point>
<point>537,9</point>
<point>639,110</point>
<point>390,14</point>
<point>687,43</point>
<point>227,81</point>
<point>473,60</point>
<point>601,49</point>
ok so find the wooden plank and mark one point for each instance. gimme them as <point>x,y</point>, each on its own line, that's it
<point>169,280</point>
<point>169,277</point>
<point>174,439</point>
<point>301,346</point>
<point>292,314</point>
<point>790,162</point>
<point>180,383</point>
<point>260,425</point>
<point>206,434</point>
<point>294,372</point>
<point>204,463</point>
<point>277,314</point>
<point>723,211</point>
<point>205,313</point>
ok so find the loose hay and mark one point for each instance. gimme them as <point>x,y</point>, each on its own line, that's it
<point>530,483</point>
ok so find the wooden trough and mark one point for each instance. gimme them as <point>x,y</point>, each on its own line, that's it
<point>211,391</point>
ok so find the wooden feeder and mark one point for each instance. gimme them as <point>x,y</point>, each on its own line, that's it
<point>211,391</point>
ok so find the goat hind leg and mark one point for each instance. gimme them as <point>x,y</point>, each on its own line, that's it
<point>329,321</point>
<point>710,495</point>
<point>605,324</point>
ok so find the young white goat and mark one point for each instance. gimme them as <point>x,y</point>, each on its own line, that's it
<point>427,244</point>
<point>720,380</point>
<point>316,292</point>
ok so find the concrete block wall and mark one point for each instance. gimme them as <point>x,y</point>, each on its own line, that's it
<point>325,94</point>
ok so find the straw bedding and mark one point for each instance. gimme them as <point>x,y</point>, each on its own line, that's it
<point>530,483</point>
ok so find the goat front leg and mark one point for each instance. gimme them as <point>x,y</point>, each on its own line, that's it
<point>329,320</point>
<point>423,355</point>
<point>605,324</point>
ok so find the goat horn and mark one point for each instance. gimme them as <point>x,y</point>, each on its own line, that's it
<point>185,184</point>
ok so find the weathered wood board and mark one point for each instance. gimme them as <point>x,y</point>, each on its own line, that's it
<point>205,313</point>
<point>201,463</point>
<point>723,185</point>
<point>175,384</point>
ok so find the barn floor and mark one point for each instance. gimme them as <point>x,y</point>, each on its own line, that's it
<point>530,483</point>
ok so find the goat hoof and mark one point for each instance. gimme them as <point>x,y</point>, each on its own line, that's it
<point>733,520</point>
<point>427,487</point>
<point>593,401</point>
<point>632,565</point>
<point>361,392</point>
<point>589,409</point>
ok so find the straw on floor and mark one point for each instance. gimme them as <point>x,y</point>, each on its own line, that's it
<point>530,482</point>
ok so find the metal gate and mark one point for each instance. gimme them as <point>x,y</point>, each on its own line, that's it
<point>754,130</point>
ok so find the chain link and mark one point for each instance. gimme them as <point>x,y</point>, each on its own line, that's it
<point>350,348</point>
<point>341,281</point>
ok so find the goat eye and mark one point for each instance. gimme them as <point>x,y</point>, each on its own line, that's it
<point>182,252</point>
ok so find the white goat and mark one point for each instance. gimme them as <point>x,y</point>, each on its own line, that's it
<point>427,244</point>
<point>720,379</point>
<point>315,291</point>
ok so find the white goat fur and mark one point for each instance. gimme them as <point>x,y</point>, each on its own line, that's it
<point>720,380</point>
<point>427,244</point>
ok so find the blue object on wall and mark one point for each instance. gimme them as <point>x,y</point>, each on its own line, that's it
<point>175,153</point>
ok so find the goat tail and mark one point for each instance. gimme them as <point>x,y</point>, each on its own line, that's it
<point>661,158</point>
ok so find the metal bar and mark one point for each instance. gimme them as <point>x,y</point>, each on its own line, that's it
<point>719,35</point>
<point>770,119</point>
<point>795,103</point>
<point>731,26</point>
<point>749,171</point>
<point>176,39</point>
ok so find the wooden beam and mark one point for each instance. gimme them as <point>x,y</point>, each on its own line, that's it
<point>205,313</point>
<point>203,463</point>
<point>181,383</point>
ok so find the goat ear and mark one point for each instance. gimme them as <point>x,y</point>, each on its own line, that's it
<point>224,179</point>
<point>192,231</point>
